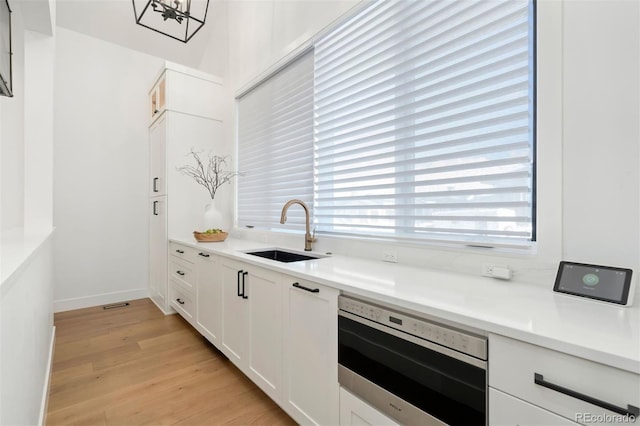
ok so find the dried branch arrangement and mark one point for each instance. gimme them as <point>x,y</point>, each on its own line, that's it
<point>212,176</point>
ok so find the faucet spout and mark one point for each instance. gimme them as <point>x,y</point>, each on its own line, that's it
<point>308,239</point>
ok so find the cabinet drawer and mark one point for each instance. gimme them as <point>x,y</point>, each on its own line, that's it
<point>505,410</point>
<point>566,385</point>
<point>183,252</point>
<point>182,272</point>
<point>183,302</point>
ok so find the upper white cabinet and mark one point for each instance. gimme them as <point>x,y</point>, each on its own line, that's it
<point>188,117</point>
<point>186,90</point>
<point>157,154</point>
<point>311,390</point>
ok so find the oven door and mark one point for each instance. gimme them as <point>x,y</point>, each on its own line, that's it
<point>410,379</point>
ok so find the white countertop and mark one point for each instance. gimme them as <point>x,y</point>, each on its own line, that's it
<point>596,331</point>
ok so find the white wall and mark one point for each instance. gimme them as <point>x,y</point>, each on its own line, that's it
<point>100,170</point>
<point>26,315</point>
<point>588,160</point>
<point>26,331</point>
<point>601,132</point>
<point>12,137</point>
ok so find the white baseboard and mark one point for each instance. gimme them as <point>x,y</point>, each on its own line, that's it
<point>99,299</point>
<point>47,383</point>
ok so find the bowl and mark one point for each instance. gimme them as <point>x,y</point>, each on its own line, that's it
<point>210,238</point>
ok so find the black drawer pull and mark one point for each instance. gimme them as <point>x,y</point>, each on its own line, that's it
<point>155,184</point>
<point>629,411</point>
<point>244,296</point>
<point>310,290</point>
<point>203,254</point>
<point>180,273</point>
<point>155,208</point>
<point>180,301</point>
<point>180,251</point>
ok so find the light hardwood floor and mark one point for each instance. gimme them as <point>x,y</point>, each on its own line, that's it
<point>136,366</point>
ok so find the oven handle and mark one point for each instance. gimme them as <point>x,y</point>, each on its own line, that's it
<point>468,359</point>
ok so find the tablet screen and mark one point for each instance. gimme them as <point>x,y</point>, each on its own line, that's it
<point>596,282</point>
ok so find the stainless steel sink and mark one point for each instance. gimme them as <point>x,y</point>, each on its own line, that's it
<point>283,255</point>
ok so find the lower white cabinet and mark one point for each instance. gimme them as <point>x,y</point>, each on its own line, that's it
<point>183,301</point>
<point>571,387</point>
<point>209,297</point>
<point>311,393</point>
<point>158,252</point>
<point>252,323</point>
<point>505,410</point>
<point>355,412</point>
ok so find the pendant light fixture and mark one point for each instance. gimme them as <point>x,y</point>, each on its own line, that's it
<point>178,19</point>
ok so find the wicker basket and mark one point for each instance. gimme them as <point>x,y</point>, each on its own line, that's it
<point>210,238</point>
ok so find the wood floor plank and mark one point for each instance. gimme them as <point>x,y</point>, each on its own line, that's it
<point>136,366</point>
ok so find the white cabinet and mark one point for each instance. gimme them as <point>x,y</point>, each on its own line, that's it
<point>157,251</point>
<point>188,117</point>
<point>559,383</point>
<point>182,279</point>
<point>157,152</point>
<point>505,410</point>
<point>179,88</point>
<point>355,412</point>
<point>311,387</point>
<point>209,297</point>
<point>157,97</point>
<point>252,323</point>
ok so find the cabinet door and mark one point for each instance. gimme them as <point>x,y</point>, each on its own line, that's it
<point>235,323</point>
<point>506,410</point>
<point>157,98</point>
<point>263,290</point>
<point>209,298</point>
<point>157,154</point>
<point>158,252</point>
<point>355,412</point>
<point>311,352</point>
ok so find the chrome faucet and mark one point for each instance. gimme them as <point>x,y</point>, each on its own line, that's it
<point>308,239</point>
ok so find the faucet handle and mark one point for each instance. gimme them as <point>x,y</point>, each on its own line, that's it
<point>313,235</point>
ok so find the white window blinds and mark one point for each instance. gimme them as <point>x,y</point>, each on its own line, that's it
<point>424,115</point>
<point>275,147</point>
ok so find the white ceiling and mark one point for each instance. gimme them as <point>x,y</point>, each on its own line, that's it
<point>114,21</point>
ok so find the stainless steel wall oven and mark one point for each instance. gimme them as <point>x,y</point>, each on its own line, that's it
<point>416,371</point>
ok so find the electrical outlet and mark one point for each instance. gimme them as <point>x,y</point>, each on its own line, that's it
<point>390,256</point>
<point>496,271</point>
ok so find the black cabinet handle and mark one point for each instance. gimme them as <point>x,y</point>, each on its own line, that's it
<point>180,251</point>
<point>629,411</point>
<point>155,208</point>
<point>155,184</point>
<point>180,301</point>
<point>244,296</point>
<point>180,273</point>
<point>239,273</point>
<point>203,254</point>
<point>310,290</point>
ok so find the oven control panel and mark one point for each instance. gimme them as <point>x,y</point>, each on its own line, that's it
<point>458,340</point>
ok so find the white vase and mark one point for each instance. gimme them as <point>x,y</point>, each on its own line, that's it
<point>212,217</point>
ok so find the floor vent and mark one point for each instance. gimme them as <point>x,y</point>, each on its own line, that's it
<point>116,305</point>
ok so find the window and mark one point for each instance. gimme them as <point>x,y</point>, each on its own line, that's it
<point>423,128</point>
<point>275,147</point>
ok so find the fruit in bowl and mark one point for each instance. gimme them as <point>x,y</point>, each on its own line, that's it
<point>210,235</point>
